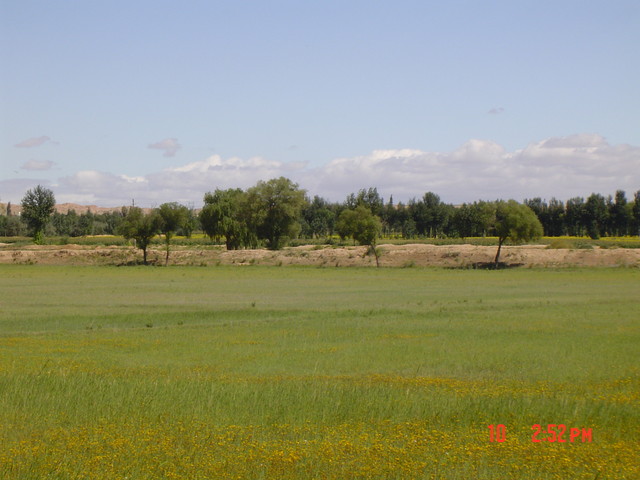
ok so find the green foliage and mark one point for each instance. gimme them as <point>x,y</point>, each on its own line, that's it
<point>174,216</point>
<point>37,206</point>
<point>516,222</point>
<point>141,227</point>
<point>369,198</point>
<point>430,214</point>
<point>595,209</point>
<point>12,226</point>
<point>636,213</point>
<point>361,225</point>
<point>224,215</point>
<point>190,224</point>
<point>318,218</point>
<point>558,243</point>
<point>620,215</point>
<point>273,210</point>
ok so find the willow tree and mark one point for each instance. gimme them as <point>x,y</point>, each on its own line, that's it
<point>140,227</point>
<point>274,209</point>
<point>363,226</point>
<point>515,222</point>
<point>173,216</point>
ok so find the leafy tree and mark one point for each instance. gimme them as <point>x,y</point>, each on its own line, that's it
<point>409,229</point>
<point>273,210</point>
<point>363,226</point>
<point>112,221</point>
<point>596,215</point>
<point>190,224</point>
<point>37,206</point>
<point>636,212</point>
<point>60,223</point>
<point>14,226</point>
<point>346,224</point>
<point>371,199</point>
<point>575,215</point>
<point>429,214</point>
<point>223,216</point>
<point>619,214</point>
<point>462,221</point>
<point>541,209</point>
<point>555,218</point>
<point>484,217</point>
<point>516,222</point>
<point>141,228</point>
<point>395,220</point>
<point>86,223</point>
<point>318,218</point>
<point>173,216</point>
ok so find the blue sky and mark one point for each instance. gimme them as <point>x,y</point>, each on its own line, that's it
<point>104,101</point>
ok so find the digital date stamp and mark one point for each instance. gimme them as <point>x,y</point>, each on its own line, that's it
<point>551,433</point>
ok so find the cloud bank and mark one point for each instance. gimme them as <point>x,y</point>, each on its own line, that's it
<point>561,167</point>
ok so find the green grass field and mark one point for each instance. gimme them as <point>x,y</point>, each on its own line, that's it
<point>302,373</point>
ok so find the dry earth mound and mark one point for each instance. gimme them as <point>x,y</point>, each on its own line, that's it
<point>419,255</point>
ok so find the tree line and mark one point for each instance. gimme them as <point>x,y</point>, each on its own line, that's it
<point>272,212</point>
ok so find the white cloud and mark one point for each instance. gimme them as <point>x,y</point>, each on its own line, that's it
<point>496,111</point>
<point>481,169</point>
<point>561,167</point>
<point>104,189</point>
<point>169,146</point>
<point>13,190</point>
<point>35,142</point>
<point>37,165</point>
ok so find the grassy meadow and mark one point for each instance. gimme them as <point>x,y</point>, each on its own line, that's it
<point>317,373</point>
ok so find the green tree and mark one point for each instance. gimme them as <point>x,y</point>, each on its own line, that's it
<point>635,211</point>
<point>619,214</point>
<point>141,228</point>
<point>369,197</point>
<point>463,221</point>
<point>14,227</point>
<point>345,225</point>
<point>173,216</point>
<point>190,224</point>
<point>575,216</point>
<point>363,226</point>
<point>222,216</point>
<point>484,217</point>
<point>430,214</point>
<point>86,223</point>
<point>318,218</point>
<point>596,215</point>
<point>273,209</point>
<point>555,218</point>
<point>516,222</point>
<point>541,209</point>
<point>37,206</point>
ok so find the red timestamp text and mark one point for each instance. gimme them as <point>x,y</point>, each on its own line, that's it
<point>560,433</point>
<point>552,433</point>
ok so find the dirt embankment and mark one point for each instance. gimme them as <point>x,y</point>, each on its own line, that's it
<point>451,256</point>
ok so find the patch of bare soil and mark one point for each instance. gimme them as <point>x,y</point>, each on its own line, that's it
<point>419,255</point>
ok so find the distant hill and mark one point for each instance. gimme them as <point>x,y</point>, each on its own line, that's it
<point>66,207</point>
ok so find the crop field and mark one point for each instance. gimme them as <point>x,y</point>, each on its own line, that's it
<point>256,372</point>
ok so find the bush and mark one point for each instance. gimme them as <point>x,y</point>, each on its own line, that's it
<point>557,243</point>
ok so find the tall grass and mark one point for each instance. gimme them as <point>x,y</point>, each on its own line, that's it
<point>316,373</point>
